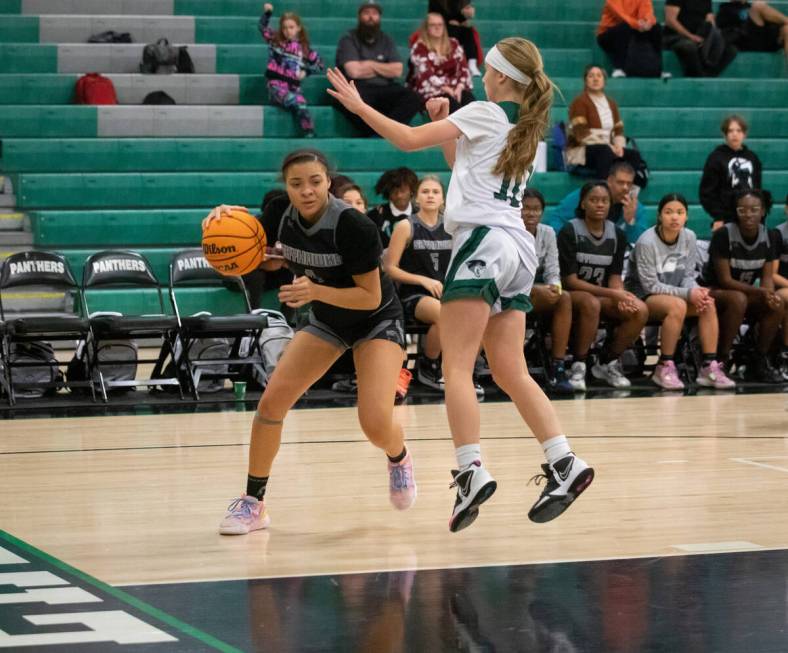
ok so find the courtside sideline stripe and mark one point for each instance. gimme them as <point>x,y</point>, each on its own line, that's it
<point>162,616</point>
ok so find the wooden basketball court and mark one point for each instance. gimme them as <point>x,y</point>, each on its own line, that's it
<point>134,501</point>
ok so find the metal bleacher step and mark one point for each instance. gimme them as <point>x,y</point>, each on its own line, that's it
<point>10,221</point>
<point>19,238</point>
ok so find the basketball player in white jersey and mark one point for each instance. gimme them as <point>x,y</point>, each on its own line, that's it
<point>490,147</point>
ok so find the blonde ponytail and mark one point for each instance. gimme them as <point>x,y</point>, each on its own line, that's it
<point>523,139</point>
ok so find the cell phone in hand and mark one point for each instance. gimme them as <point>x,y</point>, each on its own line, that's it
<point>274,253</point>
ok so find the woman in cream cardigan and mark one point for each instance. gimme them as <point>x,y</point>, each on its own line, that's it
<point>596,132</point>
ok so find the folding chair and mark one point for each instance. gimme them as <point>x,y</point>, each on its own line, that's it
<point>189,268</point>
<point>125,269</point>
<point>44,271</point>
<point>5,386</point>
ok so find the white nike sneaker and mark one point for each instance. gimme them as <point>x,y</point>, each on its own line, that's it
<point>474,486</point>
<point>611,373</point>
<point>566,480</point>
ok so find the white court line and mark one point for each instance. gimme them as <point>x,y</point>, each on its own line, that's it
<point>746,461</point>
<point>717,547</point>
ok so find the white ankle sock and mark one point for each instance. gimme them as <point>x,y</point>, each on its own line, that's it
<point>468,454</point>
<point>555,448</point>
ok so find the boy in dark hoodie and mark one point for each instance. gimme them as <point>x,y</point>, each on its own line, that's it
<point>730,168</point>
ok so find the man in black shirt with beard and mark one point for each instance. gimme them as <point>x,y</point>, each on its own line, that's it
<point>370,58</point>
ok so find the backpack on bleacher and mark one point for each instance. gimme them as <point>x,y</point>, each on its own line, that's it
<point>111,36</point>
<point>159,58</point>
<point>95,89</point>
<point>184,63</point>
<point>36,351</point>
<point>558,141</point>
<point>273,340</point>
<point>201,349</point>
<point>158,97</point>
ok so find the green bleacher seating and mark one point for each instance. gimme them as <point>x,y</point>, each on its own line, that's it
<point>83,191</point>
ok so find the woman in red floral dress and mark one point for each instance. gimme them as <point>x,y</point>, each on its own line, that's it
<point>438,65</point>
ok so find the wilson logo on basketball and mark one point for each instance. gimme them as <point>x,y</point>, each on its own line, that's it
<point>211,248</point>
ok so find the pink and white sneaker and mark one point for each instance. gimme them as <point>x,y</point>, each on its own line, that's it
<point>244,515</point>
<point>402,484</point>
<point>667,376</point>
<point>713,376</point>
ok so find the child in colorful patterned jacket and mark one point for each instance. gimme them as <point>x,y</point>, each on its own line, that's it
<point>290,60</point>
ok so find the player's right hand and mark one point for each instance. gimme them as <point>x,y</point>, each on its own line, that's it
<point>216,213</point>
<point>437,108</point>
<point>433,287</point>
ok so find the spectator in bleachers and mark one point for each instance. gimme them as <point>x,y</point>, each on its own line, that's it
<point>622,22</point>
<point>753,26</point>
<point>596,131</point>
<point>626,212</point>
<point>417,259</point>
<point>458,15</point>
<point>731,167</point>
<point>338,183</point>
<point>549,299</point>
<point>290,60</point>
<point>591,254</point>
<point>662,274</point>
<point>353,195</point>
<point>740,274</point>
<point>780,234</point>
<point>369,57</point>
<point>398,188</point>
<point>691,33</point>
<point>438,65</point>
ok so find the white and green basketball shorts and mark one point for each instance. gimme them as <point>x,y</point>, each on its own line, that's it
<point>485,263</point>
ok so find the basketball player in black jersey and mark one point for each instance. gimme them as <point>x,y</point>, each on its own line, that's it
<point>417,258</point>
<point>591,254</point>
<point>334,252</point>
<point>741,254</point>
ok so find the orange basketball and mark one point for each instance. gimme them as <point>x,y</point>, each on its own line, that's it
<point>234,245</point>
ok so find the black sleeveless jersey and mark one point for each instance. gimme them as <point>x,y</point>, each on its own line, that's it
<point>427,254</point>
<point>746,259</point>
<point>342,243</point>
<point>592,259</point>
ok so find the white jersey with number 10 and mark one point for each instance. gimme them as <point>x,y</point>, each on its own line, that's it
<point>477,196</point>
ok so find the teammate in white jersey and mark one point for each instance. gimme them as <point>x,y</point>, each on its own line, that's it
<point>490,147</point>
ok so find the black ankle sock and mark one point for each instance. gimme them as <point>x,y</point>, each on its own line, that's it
<point>709,358</point>
<point>664,357</point>
<point>579,359</point>
<point>605,356</point>
<point>255,486</point>
<point>398,459</point>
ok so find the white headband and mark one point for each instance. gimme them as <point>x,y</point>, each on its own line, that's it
<point>495,59</point>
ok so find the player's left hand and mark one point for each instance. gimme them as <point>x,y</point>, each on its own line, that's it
<point>299,293</point>
<point>344,91</point>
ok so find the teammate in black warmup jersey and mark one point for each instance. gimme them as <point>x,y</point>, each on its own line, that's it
<point>334,252</point>
<point>591,254</point>
<point>417,258</point>
<point>741,254</point>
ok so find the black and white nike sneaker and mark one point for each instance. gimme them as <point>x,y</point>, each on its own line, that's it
<point>566,480</point>
<point>474,486</point>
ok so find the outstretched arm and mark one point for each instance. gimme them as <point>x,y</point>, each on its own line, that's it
<point>402,136</point>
